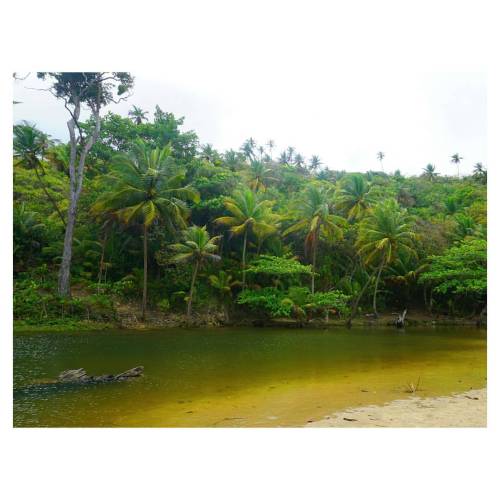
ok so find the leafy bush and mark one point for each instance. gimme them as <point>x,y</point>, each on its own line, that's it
<point>33,303</point>
<point>461,271</point>
<point>267,299</point>
<point>164,305</point>
<point>280,304</point>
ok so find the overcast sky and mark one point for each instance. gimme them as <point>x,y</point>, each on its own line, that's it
<point>345,117</point>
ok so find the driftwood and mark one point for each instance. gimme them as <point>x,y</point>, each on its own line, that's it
<point>79,376</point>
<point>400,322</point>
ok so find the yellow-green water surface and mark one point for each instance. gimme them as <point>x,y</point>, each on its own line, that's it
<point>237,377</point>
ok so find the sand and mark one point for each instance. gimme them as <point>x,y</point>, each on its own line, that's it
<point>467,409</point>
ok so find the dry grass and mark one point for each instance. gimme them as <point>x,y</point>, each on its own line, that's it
<point>412,388</point>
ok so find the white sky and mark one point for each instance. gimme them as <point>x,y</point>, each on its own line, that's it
<point>345,118</point>
<point>341,80</point>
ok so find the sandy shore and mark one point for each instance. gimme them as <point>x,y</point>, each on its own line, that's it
<point>467,409</point>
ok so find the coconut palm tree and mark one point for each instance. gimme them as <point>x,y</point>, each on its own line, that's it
<point>299,160</point>
<point>249,213</point>
<point>147,186</point>
<point>233,159</point>
<point>208,153</point>
<point>30,146</point>
<point>58,157</point>
<point>263,233</point>
<point>223,283</point>
<point>430,172</point>
<point>270,146</point>
<point>354,196</point>
<point>314,217</point>
<point>197,247</point>
<point>259,176</point>
<point>314,163</point>
<point>138,115</point>
<point>384,234</point>
<point>456,159</point>
<point>248,149</point>
<point>380,158</point>
<point>290,151</point>
<point>480,172</point>
<point>28,233</point>
<point>283,158</point>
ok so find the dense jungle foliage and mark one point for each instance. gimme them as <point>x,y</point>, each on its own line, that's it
<point>182,228</point>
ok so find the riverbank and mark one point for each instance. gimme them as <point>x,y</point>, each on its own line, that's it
<point>159,321</point>
<point>467,409</point>
<point>63,326</point>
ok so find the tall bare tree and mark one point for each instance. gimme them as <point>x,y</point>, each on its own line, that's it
<point>77,91</point>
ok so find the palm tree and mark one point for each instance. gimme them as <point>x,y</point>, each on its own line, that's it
<point>147,186</point>
<point>233,159</point>
<point>430,172</point>
<point>270,146</point>
<point>385,233</point>
<point>248,149</point>
<point>263,233</point>
<point>456,159</point>
<point>290,151</point>
<point>223,283</point>
<point>259,176</point>
<point>58,156</point>
<point>283,158</point>
<point>248,214</point>
<point>197,247</point>
<point>480,172</point>
<point>30,146</point>
<point>316,220</point>
<point>208,152</point>
<point>28,232</point>
<point>478,168</point>
<point>380,157</point>
<point>261,150</point>
<point>354,196</point>
<point>314,163</point>
<point>403,274</point>
<point>299,160</point>
<point>138,115</point>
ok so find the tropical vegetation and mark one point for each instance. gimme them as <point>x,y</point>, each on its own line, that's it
<point>136,212</point>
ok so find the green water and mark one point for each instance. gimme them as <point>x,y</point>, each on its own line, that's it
<point>237,377</point>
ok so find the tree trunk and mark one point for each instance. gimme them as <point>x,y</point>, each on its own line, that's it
<point>313,265</point>
<point>145,273</point>
<point>101,261</point>
<point>243,260</point>
<point>355,304</point>
<point>75,186</point>
<point>376,288</point>
<point>65,269</point>
<point>191,291</point>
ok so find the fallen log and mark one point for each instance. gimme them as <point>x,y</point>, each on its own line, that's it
<point>79,376</point>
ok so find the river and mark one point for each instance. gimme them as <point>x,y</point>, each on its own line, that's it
<point>237,377</point>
